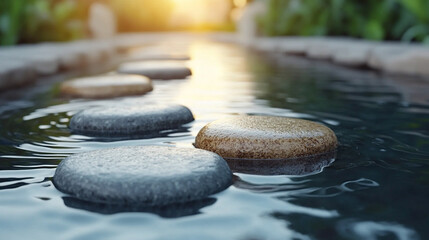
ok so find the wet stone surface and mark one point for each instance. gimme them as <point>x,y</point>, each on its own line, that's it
<point>143,175</point>
<point>107,86</point>
<point>157,70</point>
<point>263,137</point>
<point>129,120</point>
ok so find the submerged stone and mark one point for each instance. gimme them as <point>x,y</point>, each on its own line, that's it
<point>129,120</point>
<point>157,69</point>
<point>291,166</point>
<point>264,137</point>
<point>107,86</point>
<point>143,175</point>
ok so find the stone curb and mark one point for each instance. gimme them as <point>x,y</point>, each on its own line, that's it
<point>389,57</point>
<point>22,64</point>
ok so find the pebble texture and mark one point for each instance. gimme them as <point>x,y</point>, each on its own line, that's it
<point>107,86</point>
<point>156,70</point>
<point>149,175</point>
<point>129,119</point>
<point>263,137</point>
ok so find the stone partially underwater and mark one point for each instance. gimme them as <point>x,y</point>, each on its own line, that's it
<point>265,137</point>
<point>266,145</point>
<point>293,166</point>
<point>157,69</point>
<point>143,175</point>
<point>107,86</point>
<point>129,120</point>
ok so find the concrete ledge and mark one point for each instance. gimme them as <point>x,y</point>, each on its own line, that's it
<point>23,64</point>
<point>389,57</point>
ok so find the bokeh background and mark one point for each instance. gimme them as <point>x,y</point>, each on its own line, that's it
<point>29,21</point>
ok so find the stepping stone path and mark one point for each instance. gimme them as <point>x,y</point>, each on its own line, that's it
<point>263,137</point>
<point>143,175</point>
<point>156,70</point>
<point>127,120</point>
<point>107,86</point>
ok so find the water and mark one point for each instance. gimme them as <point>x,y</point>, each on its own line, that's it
<point>377,188</point>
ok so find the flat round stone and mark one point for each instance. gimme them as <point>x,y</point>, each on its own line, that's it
<point>263,137</point>
<point>107,86</point>
<point>143,175</point>
<point>126,120</point>
<point>157,69</point>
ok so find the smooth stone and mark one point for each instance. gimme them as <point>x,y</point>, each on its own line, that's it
<point>265,137</point>
<point>107,86</point>
<point>128,120</point>
<point>156,70</point>
<point>143,175</point>
<point>411,62</point>
<point>380,54</point>
<point>354,53</point>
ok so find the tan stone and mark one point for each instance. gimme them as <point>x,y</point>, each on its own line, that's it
<point>264,137</point>
<point>156,69</point>
<point>107,86</point>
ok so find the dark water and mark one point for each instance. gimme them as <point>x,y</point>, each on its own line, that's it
<point>377,188</point>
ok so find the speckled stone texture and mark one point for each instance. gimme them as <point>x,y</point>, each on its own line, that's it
<point>156,70</point>
<point>128,120</point>
<point>264,137</point>
<point>107,86</point>
<point>143,175</point>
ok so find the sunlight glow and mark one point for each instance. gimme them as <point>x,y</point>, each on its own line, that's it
<point>200,12</point>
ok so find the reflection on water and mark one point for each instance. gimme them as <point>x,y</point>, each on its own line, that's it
<point>376,188</point>
<point>296,166</point>
<point>169,211</point>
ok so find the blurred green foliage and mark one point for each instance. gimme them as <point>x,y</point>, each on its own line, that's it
<point>405,20</point>
<point>29,21</point>
<point>23,21</point>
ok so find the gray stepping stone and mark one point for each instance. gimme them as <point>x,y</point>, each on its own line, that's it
<point>156,69</point>
<point>107,86</point>
<point>264,137</point>
<point>129,120</point>
<point>143,175</point>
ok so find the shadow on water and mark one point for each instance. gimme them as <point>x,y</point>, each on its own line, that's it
<point>103,137</point>
<point>294,166</point>
<point>167,211</point>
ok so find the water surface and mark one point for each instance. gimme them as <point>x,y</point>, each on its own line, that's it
<point>377,188</point>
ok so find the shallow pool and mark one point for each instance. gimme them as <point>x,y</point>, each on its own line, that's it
<point>377,188</point>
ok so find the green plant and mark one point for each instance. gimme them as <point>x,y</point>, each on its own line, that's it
<point>405,20</point>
